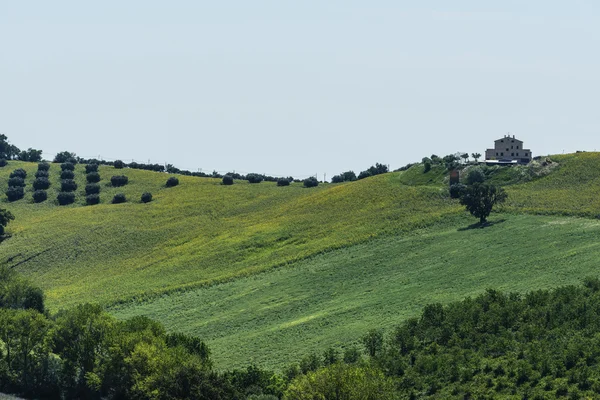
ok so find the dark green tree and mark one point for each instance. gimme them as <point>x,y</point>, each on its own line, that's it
<point>476,156</point>
<point>5,217</point>
<point>480,198</point>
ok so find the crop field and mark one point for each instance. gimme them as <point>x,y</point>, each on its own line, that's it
<point>277,317</point>
<point>198,233</point>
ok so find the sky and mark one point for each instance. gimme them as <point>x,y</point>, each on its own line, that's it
<point>297,87</point>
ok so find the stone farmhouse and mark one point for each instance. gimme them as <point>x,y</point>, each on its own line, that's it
<point>508,150</point>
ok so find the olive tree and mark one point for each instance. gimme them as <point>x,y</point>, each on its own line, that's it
<point>5,217</point>
<point>480,198</point>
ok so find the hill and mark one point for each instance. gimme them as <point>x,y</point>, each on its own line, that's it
<point>259,268</point>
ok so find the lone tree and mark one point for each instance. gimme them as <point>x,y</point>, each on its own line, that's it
<point>476,156</point>
<point>5,218</point>
<point>480,198</point>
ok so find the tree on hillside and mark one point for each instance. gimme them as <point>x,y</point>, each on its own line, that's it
<point>476,156</point>
<point>7,150</point>
<point>65,156</point>
<point>465,157</point>
<point>31,155</point>
<point>5,218</point>
<point>480,198</point>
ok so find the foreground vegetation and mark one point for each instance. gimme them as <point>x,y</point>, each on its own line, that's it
<point>541,344</point>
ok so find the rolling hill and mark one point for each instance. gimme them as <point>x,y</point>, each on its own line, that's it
<point>257,269</point>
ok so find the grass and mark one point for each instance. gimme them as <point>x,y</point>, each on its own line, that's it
<point>269,273</point>
<point>198,233</point>
<point>279,316</point>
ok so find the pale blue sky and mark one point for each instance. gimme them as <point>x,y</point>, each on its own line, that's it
<point>297,87</point>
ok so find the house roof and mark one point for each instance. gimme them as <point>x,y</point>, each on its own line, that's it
<point>507,138</point>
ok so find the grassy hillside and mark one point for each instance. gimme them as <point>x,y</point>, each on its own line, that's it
<point>287,270</point>
<point>277,317</point>
<point>199,232</point>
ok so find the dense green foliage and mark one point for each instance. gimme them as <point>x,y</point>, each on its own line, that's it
<point>119,198</point>
<point>93,177</point>
<point>146,197</point>
<point>68,185</point>
<point>172,181</point>
<point>65,198</point>
<point>227,180</point>
<point>89,168</point>
<point>41,183</point>
<point>119,180</point>
<point>67,166</point>
<point>14,193</point>
<point>39,196</point>
<point>92,199</point>
<point>480,198</point>
<point>311,182</point>
<point>5,217</point>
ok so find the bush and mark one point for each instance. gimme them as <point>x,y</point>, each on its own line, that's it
<point>146,197</point>
<point>65,156</point>
<point>475,175</point>
<point>43,166</point>
<point>68,185</point>
<point>41,174</point>
<point>65,198</point>
<point>227,180</point>
<point>3,162</point>
<point>456,190</point>
<point>119,180</point>
<point>254,178</point>
<point>67,174</point>
<point>40,196</point>
<point>92,188</point>
<point>364,174</point>
<point>93,177</point>
<point>92,199</point>
<point>311,182</point>
<point>172,181</point>
<point>15,193</point>
<point>16,182</point>
<point>337,179</point>
<point>119,198</point>
<point>426,167</point>
<point>41,183</point>
<point>91,168</point>
<point>119,164</point>
<point>67,166</point>
<point>283,182</point>
<point>18,173</point>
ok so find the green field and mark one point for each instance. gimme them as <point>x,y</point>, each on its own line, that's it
<point>269,273</point>
<point>277,317</point>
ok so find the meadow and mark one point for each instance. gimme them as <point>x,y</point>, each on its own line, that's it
<point>277,317</point>
<point>269,274</point>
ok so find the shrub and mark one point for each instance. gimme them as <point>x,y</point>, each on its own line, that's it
<point>119,198</point>
<point>283,182</point>
<point>172,181</point>
<point>67,166</point>
<point>456,190</point>
<point>41,174</point>
<point>337,179</point>
<point>41,183</point>
<point>227,180</point>
<point>93,177</point>
<point>119,180</point>
<point>65,198</point>
<point>311,182</point>
<point>92,188</point>
<point>254,178</point>
<point>3,162</point>
<point>18,173</point>
<point>43,166</point>
<point>426,167</point>
<point>118,164</point>
<point>67,174</point>
<point>364,174</point>
<point>68,185</point>
<point>475,175</point>
<point>40,196</point>
<point>15,193</point>
<point>146,197</point>
<point>92,199</point>
<point>91,168</point>
<point>16,182</point>
<point>65,156</point>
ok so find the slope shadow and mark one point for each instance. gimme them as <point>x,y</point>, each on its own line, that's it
<point>481,226</point>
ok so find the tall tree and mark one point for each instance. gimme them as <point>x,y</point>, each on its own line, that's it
<point>480,199</point>
<point>5,218</point>
<point>476,156</point>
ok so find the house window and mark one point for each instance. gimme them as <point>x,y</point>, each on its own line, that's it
<point>507,149</point>
<point>517,147</point>
<point>512,141</point>
<point>512,154</point>
<point>517,154</point>
<point>512,147</point>
<point>502,154</point>
<point>525,154</point>
<point>502,141</point>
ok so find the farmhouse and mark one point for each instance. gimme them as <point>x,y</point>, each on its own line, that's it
<point>508,150</point>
